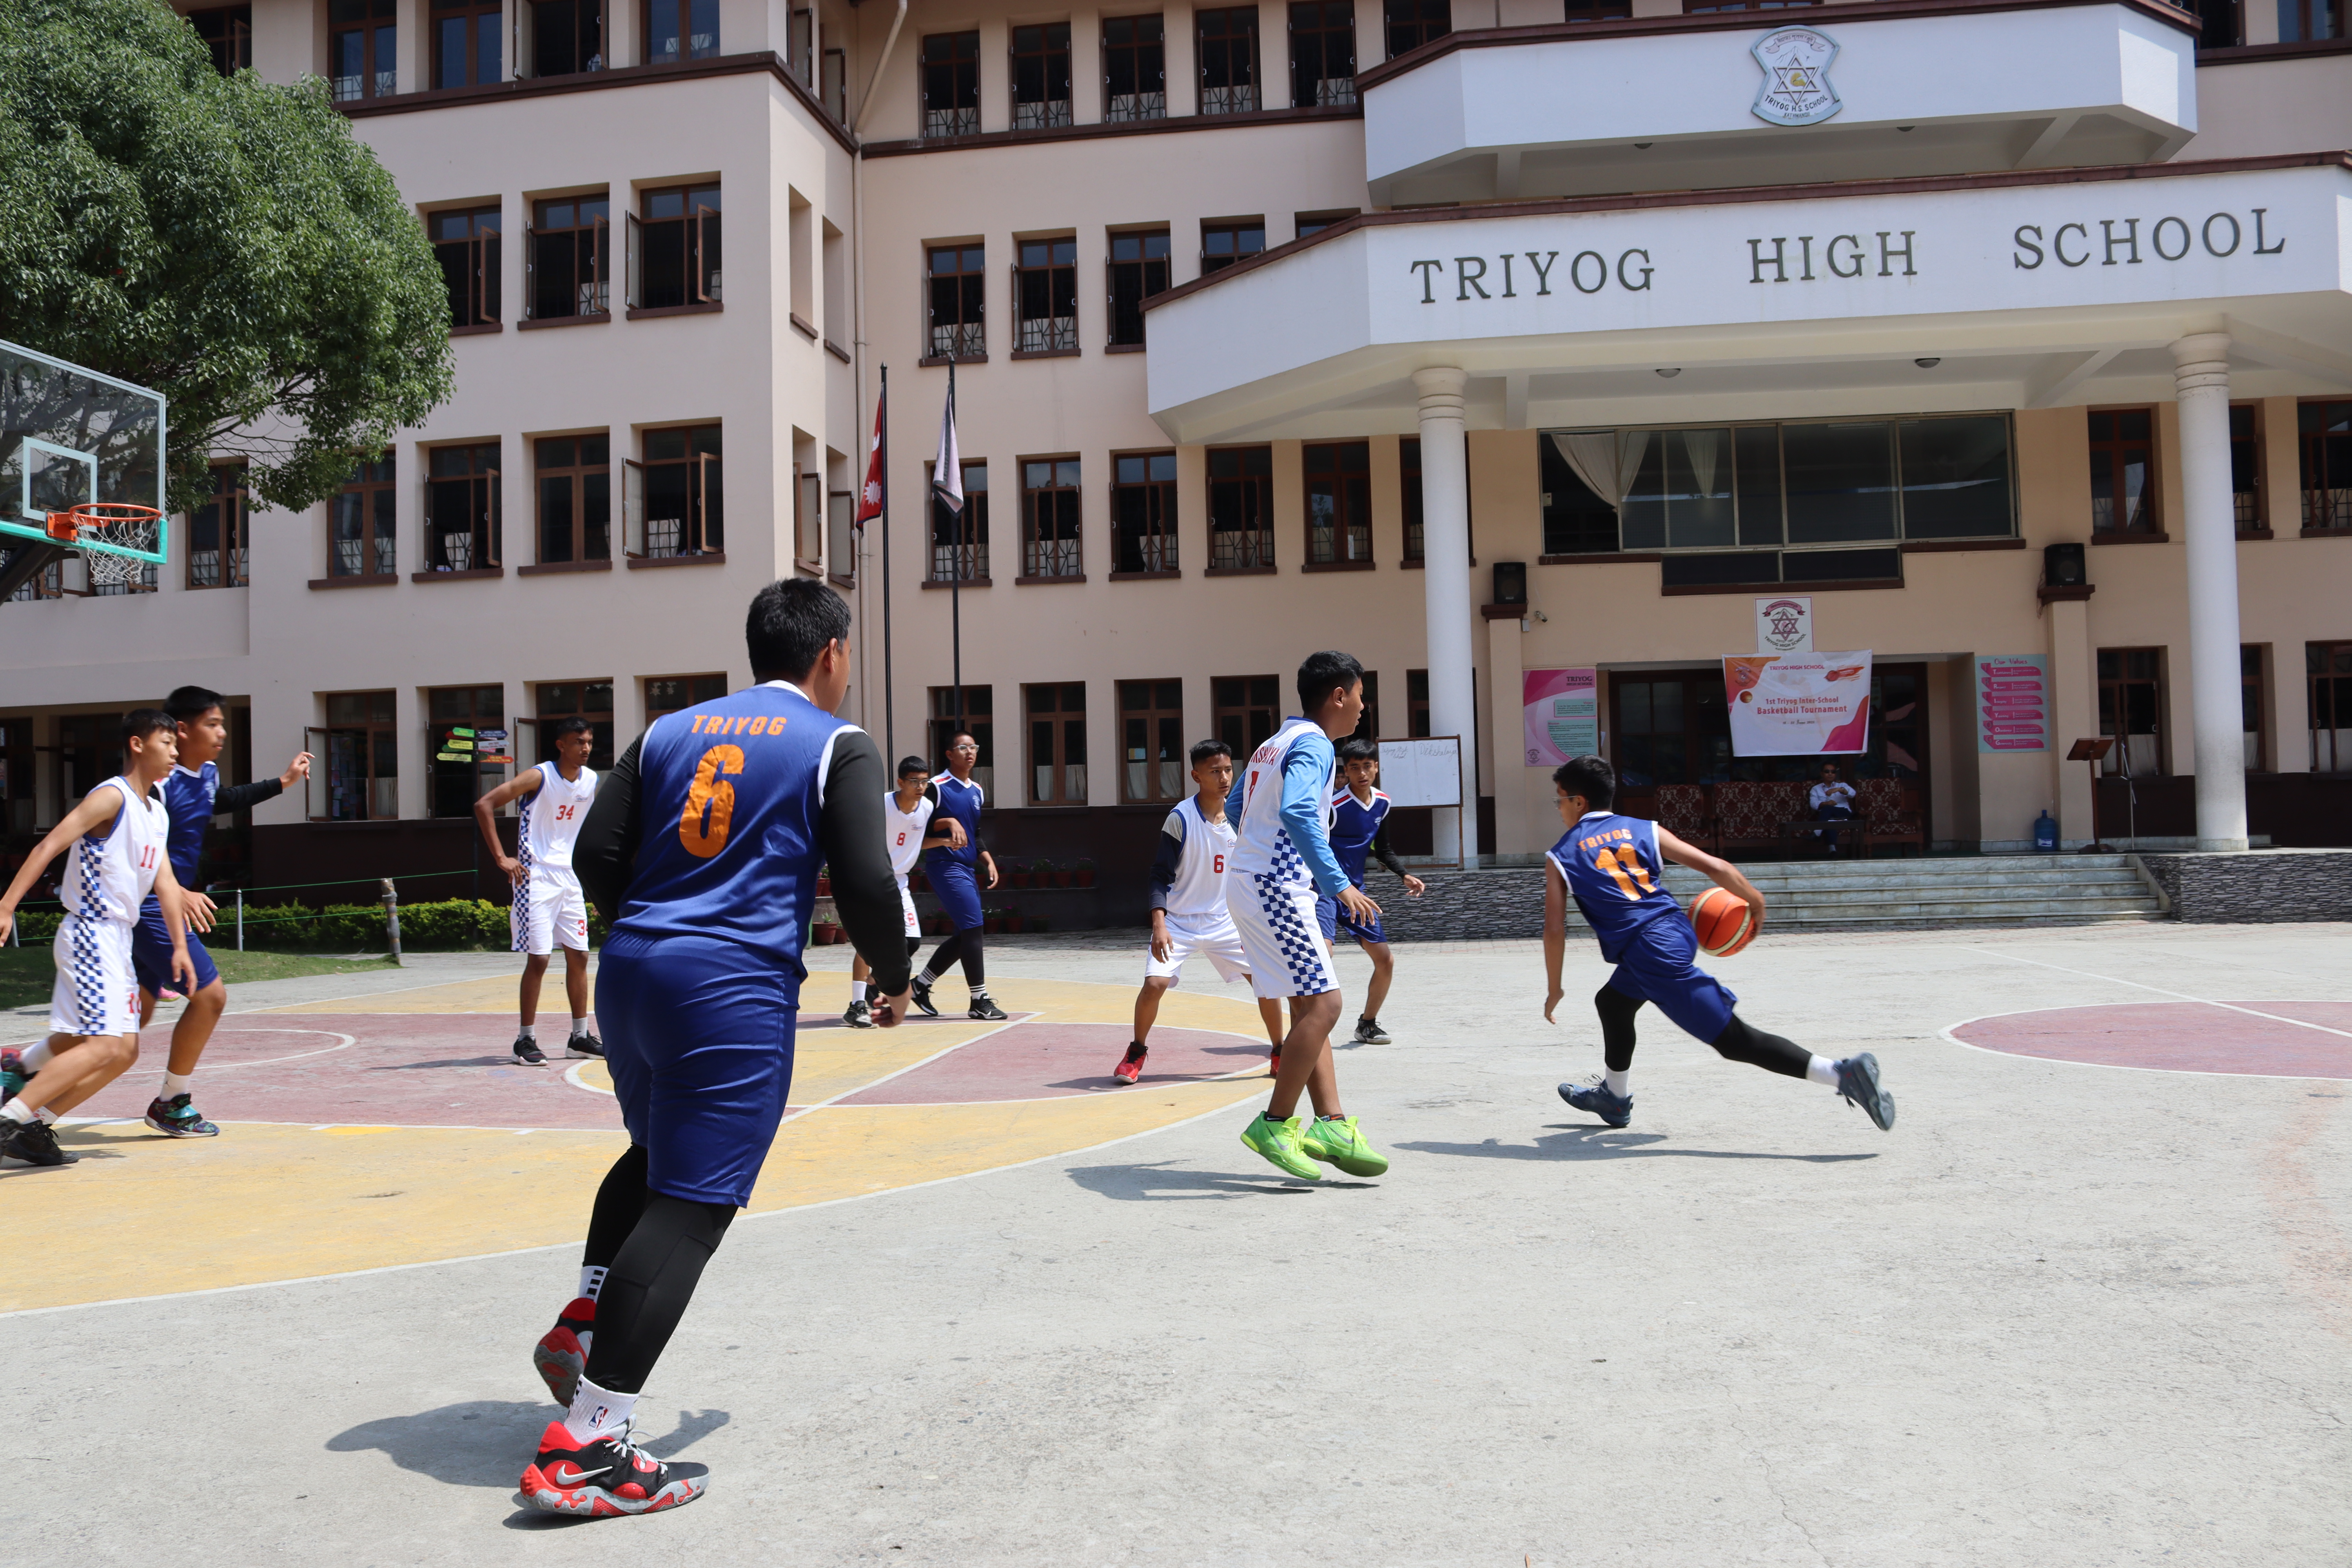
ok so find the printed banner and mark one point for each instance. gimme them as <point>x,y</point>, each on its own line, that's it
<point>1561,709</point>
<point>1798,705</point>
<point>2013,702</point>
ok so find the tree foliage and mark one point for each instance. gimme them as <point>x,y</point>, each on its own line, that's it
<point>226,242</point>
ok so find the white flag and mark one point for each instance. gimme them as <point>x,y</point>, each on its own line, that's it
<point>947,469</point>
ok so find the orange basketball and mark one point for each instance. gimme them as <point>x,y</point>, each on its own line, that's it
<point>1722,923</point>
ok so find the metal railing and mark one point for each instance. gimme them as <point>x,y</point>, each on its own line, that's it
<point>965,340</point>
<point>951,121</point>
<point>1129,106</point>
<point>1050,115</point>
<point>1045,334</point>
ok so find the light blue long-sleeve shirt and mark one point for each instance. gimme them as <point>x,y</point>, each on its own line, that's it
<point>1305,787</point>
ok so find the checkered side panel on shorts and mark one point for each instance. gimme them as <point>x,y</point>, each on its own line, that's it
<point>1302,949</point>
<point>89,971</point>
<point>1287,865</point>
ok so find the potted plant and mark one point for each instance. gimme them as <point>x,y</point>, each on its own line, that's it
<point>1037,922</point>
<point>1013,920</point>
<point>1041,873</point>
<point>1085,872</point>
<point>917,881</point>
<point>825,881</point>
<point>1015,874</point>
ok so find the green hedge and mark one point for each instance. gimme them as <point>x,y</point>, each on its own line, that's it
<point>443,923</point>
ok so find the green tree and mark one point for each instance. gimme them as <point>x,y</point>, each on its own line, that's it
<point>226,242</point>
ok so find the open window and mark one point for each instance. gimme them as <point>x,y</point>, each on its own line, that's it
<point>674,258</point>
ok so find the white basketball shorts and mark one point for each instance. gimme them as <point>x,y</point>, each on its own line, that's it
<point>548,909</point>
<point>1276,923</point>
<point>97,991</point>
<point>906,907</point>
<point>1211,936</point>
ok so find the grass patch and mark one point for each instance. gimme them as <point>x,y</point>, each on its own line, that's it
<point>27,973</point>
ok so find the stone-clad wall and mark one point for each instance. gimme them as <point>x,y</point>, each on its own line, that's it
<point>2268,885</point>
<point>1465,906</point>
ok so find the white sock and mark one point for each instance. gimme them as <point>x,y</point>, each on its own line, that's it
<point>46,1114</point>
<point>1616,1081</point>
<point>591,1280</point>
<point>1822,1070</point>
<point>16,1111</point>
<point>579,1027</point>
<point>36,1056</point>
<point>858,991</point>
<point>175,1085</point>
<point>530,1031</point>
<point>597,1413</point>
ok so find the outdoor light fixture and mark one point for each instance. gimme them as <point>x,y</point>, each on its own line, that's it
<point>1641,146</point>
<point>1670,374</point>
<point>1907,130</point>
<point>1929,364</point>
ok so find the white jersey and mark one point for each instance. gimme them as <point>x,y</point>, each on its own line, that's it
<point>1202,848</point>
<point>109,874</point>
<point>1263,847</point>
<point>905,830</point>
<point>552,816</point>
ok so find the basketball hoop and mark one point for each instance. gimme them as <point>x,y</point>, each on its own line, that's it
<point>108,522</point>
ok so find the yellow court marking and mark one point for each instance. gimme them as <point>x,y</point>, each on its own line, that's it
<point>268,1201</point>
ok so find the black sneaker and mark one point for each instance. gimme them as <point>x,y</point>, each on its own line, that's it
<point>1370,1033</point>
<point>177,1118</point>
<point>921,988</point>
<point>526,1052</point>
<point>1593,1096</point>
<point>34,1143</point>
<point>1858,1081</point>
<point>609,1476</point>
<point>984,1006</point>
<point>586,1045</point>
<point>860,1015</point>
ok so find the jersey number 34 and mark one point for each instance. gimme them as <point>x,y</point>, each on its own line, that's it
<point>710,802</point>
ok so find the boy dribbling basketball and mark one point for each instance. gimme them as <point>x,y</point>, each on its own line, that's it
<point>1614,868</point>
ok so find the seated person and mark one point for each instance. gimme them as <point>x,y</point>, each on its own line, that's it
<point>1831,800</point>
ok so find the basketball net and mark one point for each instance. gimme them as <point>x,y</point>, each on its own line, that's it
<point>108,522</point>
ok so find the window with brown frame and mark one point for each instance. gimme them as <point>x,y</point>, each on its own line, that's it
<point>575,498</point>
<point>1138,269</point>
<point>467,243</point>
<point>2252,658</point>
<point>1367,723</point>
<point>465,42</point>
<point>2324,439</point>
<point>1322,53</point>
<point>677,30</point>
<point>357,778</point>
<point>1241,508</point>
<point>1051,545</point>
<point>674,500</point>
<point>455,775</point>
<point>2123,470</point>
<point>1316,223</point>
<point>2223,23</point>
<point>1226,42</point>
<point>1225,242</point>
<point>950,78</point>
<point>1409,491</point>
<point>2301,21</point>
<point>1691,10</point>
<point>18,800</point>
<point>1041,76</point>
<point>1135,69</point>
<point>589,699</point>
<point>362,48</point>
<point>2246,468</point>
<point>1244,709</point>
<point>461,507</point>
<point>569,245</point>
<point>1610,10</point>
<point>959,540</point>
<point>1143,510</point>
<point>217,530</point>
<point>1338,502</point>
<point>1151,741</point>
<point>2327,676</point>
<point>959,301</point>
<point>675,693</point>
<point>1416,703</point>
<point>559,37</point>
<point>1045,297</point>
<point>2131,706</point>
<point>360,530</point>
<point>1057,742</point>
<point>674,249</point>
<point>979,710</point>
<point>227,32</point>
<point>1413,23</point>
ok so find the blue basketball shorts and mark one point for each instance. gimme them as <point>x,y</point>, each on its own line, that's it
<point>1330,917</point>
<point>957,888</point>
<point>150,954</point>
<point>699,1039</point>
<point>1658,965</point>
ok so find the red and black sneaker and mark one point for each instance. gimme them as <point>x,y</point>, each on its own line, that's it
<point>562,1354</point>
<point>1131,1070</point>
<point>610,1475</point>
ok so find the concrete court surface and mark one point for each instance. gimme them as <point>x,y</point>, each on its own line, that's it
<point>2068,1312</point>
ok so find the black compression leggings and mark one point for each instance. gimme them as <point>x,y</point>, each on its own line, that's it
<point>1741,1040</point>
<point>971,946</point>
<point>654,1272</point>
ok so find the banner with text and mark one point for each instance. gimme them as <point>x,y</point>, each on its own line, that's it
<point>2013,702</point>
<point>1798,705</point>
<point>1562,708</point>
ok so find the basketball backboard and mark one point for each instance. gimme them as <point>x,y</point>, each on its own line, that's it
<point>69,436</point>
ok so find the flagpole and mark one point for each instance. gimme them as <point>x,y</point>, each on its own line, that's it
<point>955,577</point>
<point>890,721</point>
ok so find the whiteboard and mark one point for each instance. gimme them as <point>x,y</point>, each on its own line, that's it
<point>1424,772</point>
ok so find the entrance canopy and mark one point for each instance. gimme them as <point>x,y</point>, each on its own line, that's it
<point>2020,287</point>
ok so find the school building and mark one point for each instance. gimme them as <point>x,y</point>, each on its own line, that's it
<point>1998,340</point>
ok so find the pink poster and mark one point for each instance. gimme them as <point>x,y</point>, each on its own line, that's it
<point>1798,705</point>
<point>1561,709</point>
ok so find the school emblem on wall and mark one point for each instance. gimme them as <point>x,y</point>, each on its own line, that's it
<point>1796,89</point>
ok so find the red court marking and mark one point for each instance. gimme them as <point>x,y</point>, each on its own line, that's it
<point>2176,1036</point>
<point>1044,1061</point>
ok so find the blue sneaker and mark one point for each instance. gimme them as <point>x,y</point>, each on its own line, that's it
<point>1858,1081</point>
<point>1594,1097</point>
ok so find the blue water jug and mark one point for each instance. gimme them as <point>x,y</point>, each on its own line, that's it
<point>2045,834</point>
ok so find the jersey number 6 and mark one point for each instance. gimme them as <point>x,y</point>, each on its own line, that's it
<point>702,825</point>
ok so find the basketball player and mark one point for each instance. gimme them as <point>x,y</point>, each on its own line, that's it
<point>1281,808</point>
<point>1614,867</point>
<point>548,906</point>
<point>193,796</point>
<point>114,845</point>
<point>955,870</point>
<point>906,819</point>
<point>703,846</point>
<point>1359,818</point>
<point>1187,904</point>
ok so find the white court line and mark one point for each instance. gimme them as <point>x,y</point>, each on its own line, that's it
<point>348,1042</point>
<point>2177,995</point>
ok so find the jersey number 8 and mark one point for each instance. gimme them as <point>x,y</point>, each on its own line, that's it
<point>710,802</point>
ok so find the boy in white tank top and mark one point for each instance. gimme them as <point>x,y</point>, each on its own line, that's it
<point>549,907</point>
<point>114,849</point>
<point>907,814</point>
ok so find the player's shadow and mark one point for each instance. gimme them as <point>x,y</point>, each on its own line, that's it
<point>1608,1143</point>
<point>503,1060</point>
<point>487,1442</point>
<point>1165,1182</point>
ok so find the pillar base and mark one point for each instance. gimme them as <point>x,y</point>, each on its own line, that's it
<point>2222,846</point>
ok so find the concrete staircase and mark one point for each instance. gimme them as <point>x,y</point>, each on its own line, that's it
<point>1977,891</point>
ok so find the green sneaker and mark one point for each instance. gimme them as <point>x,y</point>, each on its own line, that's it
<point>1339,1143</point>
<point>1278,1141</point>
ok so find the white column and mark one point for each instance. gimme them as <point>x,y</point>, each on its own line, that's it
<point>2201,379</point>
<point>1446,582</point>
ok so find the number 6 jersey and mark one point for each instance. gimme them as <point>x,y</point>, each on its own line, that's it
<point>1616,876</point>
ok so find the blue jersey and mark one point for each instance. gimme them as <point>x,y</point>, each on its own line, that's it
<point>1354,826</point>
<point>728,793</point>
<point>188,795</point>
<point>1616,876</point>
<point>961,801</point>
